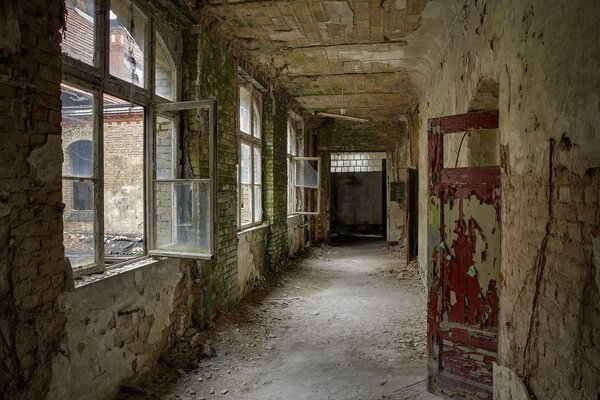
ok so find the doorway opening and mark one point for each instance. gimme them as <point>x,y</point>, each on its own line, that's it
<point>465,191</point>
<point>358,194</point>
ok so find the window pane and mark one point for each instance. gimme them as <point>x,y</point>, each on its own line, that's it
<point>164,146</point>
<point>182,216</point>
<point>306,174</point>
<point>79,35</point>
<point>83,195</point>
<point>77,132</point>
<point>257,166</point>
<point>123,179</point>
<point>78,155</point>
<point>165,71</point>
<point>291,139</point>
<point>127,42</point>
<point>78,220</point>
<point>256,120</point>
<point>245,163</point>
<point>79,159</point>
<point>245,100</point>
<point>291,188</point>
<point>246,204</point>
<point>257,203</point>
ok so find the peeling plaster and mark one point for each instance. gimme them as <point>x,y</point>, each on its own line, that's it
<point>286,36</point>
<point>400,4</point>
<point>340,16</point>
<point>44,162</point>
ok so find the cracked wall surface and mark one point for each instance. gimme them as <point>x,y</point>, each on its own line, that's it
<point>549,317</point>
<point>32,262</point>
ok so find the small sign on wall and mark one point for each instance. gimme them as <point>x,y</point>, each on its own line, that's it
<point>398,191</point>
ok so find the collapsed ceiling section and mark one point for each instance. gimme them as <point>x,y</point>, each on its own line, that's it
<point>367,58</point>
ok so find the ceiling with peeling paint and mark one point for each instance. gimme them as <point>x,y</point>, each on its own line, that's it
<point>366,58</point>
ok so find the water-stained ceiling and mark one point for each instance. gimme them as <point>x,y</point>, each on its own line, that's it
<point>371,58</point>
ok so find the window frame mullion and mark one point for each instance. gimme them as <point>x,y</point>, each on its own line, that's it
<point>99,175</point>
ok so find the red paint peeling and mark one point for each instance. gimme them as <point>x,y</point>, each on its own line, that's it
<point>462,183</point>
<point>472,307</point>
<point>469,121</point>
<point>462,337</point>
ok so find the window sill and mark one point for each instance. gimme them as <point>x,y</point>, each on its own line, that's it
<point>253,228</point>
<point>116,270</point>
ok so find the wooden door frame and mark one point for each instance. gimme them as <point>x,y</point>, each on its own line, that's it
<point>438,182</point>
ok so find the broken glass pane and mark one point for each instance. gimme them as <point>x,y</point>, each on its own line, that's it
<point>127,42</point>
<point>306,174</point>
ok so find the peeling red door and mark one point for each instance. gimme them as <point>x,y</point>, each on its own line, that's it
<point>464,234</point>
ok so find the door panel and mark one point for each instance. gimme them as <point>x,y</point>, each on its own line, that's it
<point>463,304</point>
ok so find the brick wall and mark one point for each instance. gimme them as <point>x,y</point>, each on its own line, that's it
<point>275,161</point>
<point>560,349</point>
<point>549,324</point>
<point>32,264</point>
<point>211,72</point>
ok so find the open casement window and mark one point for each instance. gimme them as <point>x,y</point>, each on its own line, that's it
<point>294,149</point>
<point>307,177</point>
<point>250,158</point>
<point>183,210</point>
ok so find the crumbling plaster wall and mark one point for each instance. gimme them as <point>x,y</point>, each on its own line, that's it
<point>118,326</point>
<point>296,227</point>
<point>252,258</point>
<point>32,262</point>
<point>546,60</point>
<point>120,323</point>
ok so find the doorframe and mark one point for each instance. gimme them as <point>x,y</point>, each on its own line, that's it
<point>437,128</point>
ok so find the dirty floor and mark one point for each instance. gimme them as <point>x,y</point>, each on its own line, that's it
<point>345,322</point>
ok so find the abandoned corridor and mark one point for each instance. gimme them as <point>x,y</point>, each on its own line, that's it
<point>344,322</point>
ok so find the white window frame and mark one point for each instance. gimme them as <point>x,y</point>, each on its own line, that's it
<point>254,142</point>
<point>169,111</point>
<point>308,190</point>
<point>97,80</point>
<point>292,134</point>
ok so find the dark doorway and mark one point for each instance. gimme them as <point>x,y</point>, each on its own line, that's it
<point>358,195</point>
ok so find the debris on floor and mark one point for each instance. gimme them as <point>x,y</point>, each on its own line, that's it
<point>331,328</point>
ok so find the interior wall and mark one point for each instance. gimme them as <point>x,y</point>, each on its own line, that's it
<point>252,258</point>
<point>339,136</point>
<point>61,341</point>
<point>116,329</point>
<point>33,268</point>
<point>358,202</point>
<point>297,234</point>
<point>549,316</point>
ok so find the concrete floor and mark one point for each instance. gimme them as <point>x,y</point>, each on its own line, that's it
<point>340,324</point>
